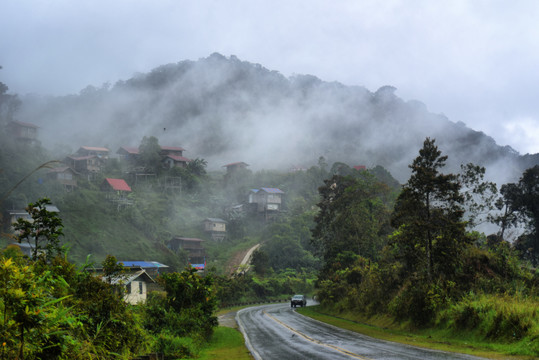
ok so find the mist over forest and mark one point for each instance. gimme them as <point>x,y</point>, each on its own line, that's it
<point>224,110</point>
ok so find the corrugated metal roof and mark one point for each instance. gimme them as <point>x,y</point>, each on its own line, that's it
<point>77,158</point>
<point>172,148</point>
<point>92,148</point>
<point>235,164</point>
<point>215,220</point>
<point>188,239</point>
<point>178,158</point>
<point>143,264</point>
<point>129,277</point>
<point>118,184</point>
<point>129,149</point>
<point>272,190</point>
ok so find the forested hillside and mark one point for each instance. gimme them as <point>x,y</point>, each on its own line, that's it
<point>224,109</point>
<point>379,203</point>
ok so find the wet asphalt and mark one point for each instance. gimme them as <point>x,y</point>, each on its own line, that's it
<point>279,332</point>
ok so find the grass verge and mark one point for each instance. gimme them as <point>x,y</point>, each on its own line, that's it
<point>439,339</point>
<point>225,344</point>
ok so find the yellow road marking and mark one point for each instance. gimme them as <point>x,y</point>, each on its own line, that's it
<point>341,350</point>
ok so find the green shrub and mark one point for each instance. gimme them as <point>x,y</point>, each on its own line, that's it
<point>174,347</point>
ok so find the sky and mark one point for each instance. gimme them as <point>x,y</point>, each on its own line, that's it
<point>474,61</point>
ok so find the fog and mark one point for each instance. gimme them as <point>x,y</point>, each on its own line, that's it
<point>474,61</point>
<point>225,109</point>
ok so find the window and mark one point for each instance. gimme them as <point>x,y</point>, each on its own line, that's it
<point>128,288</point>
<point>140,287</point>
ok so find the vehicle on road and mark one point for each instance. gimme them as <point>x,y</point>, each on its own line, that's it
<point>300,300</point>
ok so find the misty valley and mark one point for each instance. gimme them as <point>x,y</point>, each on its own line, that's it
<point>127,210</point>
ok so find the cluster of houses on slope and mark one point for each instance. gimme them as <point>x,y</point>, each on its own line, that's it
<point>89,161</point>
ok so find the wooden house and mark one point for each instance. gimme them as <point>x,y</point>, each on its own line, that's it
<point>266,199</point>
<point>170,161</point>
<point>216,228</point>
<point>137,285</point>
<point>171,150</point>
<point>100,152</point>
<point>22,131</point>
<point>128,153</point>
<point>194,248</point>
<point>88,165</point>
<point>152,268</point>
<point>117,191</point>
<point>116,185</point>
<point>136,282</point>
<point>65,176</point>
<point>232,167</point>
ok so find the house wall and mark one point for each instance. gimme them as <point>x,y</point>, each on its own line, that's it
<point>214,226</point>
<point>136,292</point>
<point>267,201</point>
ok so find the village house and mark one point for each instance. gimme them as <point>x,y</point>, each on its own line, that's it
<point>89,165</point>
<point>117,191</point>
<point>88,160</point>
<point>233,167</point>
<point>137,286</point>
<point>23,132</point>
<point>100,152</point>
<point>216,228</point>
<point>169,161</point>
<point>128,154</point>
<point>171,150</point>
<point>193,247</point>
<point>136,282</point>
<point>65,176</point>
<point>171,156</point>
<point>266,199</point>
<point>152,268</point>
<point>13,215</point>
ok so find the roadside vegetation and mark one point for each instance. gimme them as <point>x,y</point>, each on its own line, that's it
<point>419,263</point>
<point>369,249</point>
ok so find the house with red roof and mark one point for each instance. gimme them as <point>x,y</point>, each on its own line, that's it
<point>100,152</point>
<point>171,150</point>
<point>171,156</point>
<point>88,160</point>
<point>170,161</point>
<point>115,185</point>
<point>128,153</point>
<point>117,191</point>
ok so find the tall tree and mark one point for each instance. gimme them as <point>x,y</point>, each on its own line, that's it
<point>353,217</point>
<point>149,154</point>
<point>479,195</point>
<point>428,215</point>
<point>43,232</point>
<point>523,199</point>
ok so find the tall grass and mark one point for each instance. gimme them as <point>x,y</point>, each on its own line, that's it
<point>511,320</point>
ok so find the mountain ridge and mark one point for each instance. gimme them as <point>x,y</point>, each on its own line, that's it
<point>225,110</point>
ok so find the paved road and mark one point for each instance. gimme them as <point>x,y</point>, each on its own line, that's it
<point>279,332</point>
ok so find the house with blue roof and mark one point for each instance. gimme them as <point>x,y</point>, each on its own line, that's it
<point>267,200</point>
<point>153,268</point>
